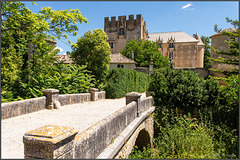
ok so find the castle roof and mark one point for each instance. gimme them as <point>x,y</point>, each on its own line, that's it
<point>226,30</point>
<point>119,58</point>
<point>176,36</point>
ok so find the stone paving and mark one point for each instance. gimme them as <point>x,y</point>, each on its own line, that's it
<point>80,116</point>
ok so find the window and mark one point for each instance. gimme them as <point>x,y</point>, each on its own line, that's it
<point>111,44</point>
<point>160,45</point>
<point>171,55</point>
<point>120,66</point>
<point>121,31</point>
<point>170,45</point>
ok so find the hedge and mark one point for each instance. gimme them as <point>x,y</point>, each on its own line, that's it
<point>120,81</point>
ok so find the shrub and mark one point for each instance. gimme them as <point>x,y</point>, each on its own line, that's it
<point>67,79</point>
<point>121,81</point>
<point>179,138</point>
<point>182,89</point>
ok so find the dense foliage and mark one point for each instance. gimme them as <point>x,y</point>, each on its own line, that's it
<point>24,49</point>
<point>121,81</point>
<point>231,56</point>
<point>182,89</point>
<point>214,134</point>
<point>66,78</point>
<point>93,51</point>
<point>179,138</point>
<point>144,51</point>
<point>207,51</point>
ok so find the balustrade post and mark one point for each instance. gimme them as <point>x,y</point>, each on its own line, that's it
<point>134,96</point>
<point>51,98</point>
<point>50,142</point>
<point>148,93</point>
<point>93,91</point>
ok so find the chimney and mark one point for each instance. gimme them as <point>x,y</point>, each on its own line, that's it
<point>132,55</point>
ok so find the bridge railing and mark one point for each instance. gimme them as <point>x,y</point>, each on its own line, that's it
<point>53,142</point>
<point>50,100</point>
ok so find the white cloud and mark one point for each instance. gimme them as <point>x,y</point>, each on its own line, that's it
<point>186,6</point>
<point>61,50</point>
<point>64,54</point>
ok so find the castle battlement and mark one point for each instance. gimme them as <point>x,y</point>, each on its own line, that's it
<point>124,28</point>
<point>130,18</point>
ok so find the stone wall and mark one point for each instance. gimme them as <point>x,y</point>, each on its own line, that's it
<point>66,99</point>
<point>17,108</point>
<point>218,41</point>
<point>101,95</point>
<point>142,69</point>
<point>125,65</point>
<point>148,126</point>
<point>144,104</point>
<point>93,141</point>
<point>202,72</point>
<point>50,100</point>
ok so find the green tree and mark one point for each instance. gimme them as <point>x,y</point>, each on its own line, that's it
<point>144,52</point>
<point>207,51</point>
<point>24,34</point>
<point>231,56</point>
<point>183,89</point>
<point>93,50</point>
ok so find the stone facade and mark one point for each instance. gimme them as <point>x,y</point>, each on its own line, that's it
<point>218,42</point>
<point>122,30</point>
<point>186,51</point>
<point>182,49</point>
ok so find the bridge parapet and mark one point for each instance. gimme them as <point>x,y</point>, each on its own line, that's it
<point>93,141</point>
<point>50,100</point>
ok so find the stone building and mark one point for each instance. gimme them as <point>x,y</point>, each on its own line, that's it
<point>182,49</point>
<point>64,58</point>
<point>120,61</point>
<point>218,41</point>
<point>122,30</point>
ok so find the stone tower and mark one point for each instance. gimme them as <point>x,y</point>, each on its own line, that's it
<point>122,30</point>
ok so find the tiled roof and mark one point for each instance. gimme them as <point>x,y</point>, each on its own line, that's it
<point>115,58</point>
<point>227,30</point>
<point>65,58</point>
<point>119,58</point>
<point>165,36</point>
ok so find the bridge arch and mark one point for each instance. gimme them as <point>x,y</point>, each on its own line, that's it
<point>143,139</point>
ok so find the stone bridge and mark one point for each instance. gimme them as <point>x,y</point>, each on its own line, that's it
<point>75,126</point>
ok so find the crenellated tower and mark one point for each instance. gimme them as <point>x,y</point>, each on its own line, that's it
<point>122,30</point>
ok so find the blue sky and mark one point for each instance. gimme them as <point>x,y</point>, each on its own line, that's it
<point>160,16</point>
